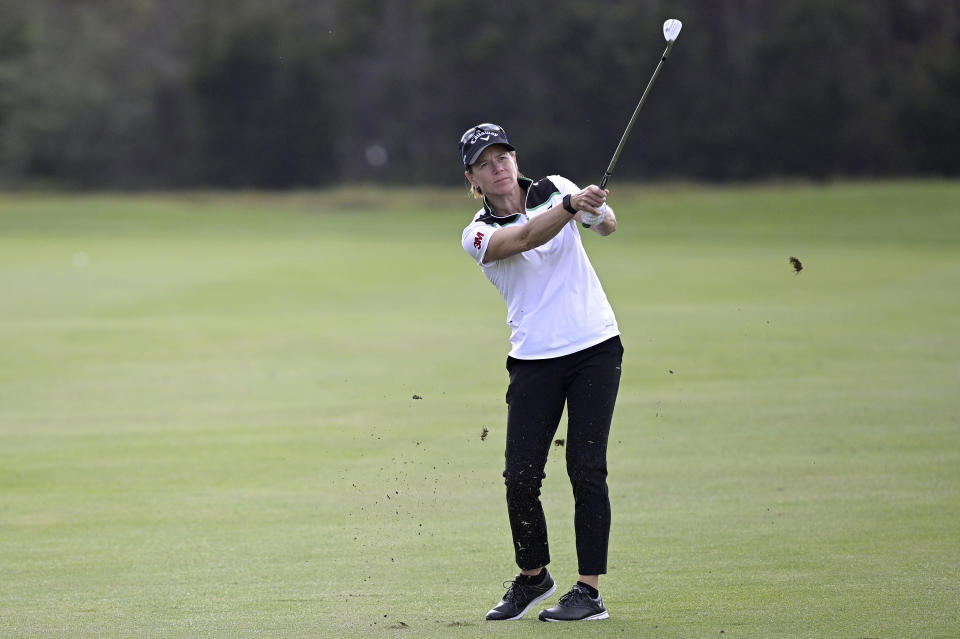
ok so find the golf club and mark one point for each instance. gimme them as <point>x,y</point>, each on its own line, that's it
<point>671,29</point>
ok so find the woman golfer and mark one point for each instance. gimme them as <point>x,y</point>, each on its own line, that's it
<point>565,350</point>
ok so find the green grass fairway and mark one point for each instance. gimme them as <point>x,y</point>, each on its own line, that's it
<point>208,425</point>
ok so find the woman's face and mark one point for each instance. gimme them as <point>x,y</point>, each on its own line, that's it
<point>495,171</point>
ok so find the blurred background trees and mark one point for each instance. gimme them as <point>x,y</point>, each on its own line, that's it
<point>290,93</point>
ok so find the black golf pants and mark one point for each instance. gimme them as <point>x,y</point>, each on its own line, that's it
<point>587,382</point>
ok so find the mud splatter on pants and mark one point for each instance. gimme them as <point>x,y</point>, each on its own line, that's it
<point>587,383</point>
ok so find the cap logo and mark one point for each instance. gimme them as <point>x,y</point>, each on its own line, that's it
<point>482,135</point>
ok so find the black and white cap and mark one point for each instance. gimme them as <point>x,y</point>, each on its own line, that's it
<point>477,138</point>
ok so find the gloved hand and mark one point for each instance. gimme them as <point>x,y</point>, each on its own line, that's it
<point>592,219</point>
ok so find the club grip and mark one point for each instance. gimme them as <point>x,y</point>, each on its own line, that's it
<point>603,184</point>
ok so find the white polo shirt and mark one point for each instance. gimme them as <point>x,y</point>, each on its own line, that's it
<point>555,303</point>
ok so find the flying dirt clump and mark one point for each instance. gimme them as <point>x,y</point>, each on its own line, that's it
<point>796,264</point>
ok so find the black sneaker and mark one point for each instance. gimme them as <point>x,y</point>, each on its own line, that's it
<point>576,605</point>
<point>522,596</point>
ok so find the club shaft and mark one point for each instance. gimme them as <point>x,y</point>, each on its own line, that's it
<point>633,118</point>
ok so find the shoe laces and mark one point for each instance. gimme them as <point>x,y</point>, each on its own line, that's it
<point>514,588</point>
<point>576,594</point>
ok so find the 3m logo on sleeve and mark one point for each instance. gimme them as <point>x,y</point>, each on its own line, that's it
<point>478,241</point>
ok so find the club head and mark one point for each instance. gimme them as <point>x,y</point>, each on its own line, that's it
<point>671,29</point>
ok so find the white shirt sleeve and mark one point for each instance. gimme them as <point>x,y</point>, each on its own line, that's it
<point>476,239</point>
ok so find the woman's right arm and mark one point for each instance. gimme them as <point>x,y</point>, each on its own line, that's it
<point>539,230</point>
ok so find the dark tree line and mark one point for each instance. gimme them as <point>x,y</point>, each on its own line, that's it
<point>290,93</point>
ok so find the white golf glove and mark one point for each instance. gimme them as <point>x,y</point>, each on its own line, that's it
<point>592,219</point>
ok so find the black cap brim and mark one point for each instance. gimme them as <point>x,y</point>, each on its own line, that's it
<point>475,152</point>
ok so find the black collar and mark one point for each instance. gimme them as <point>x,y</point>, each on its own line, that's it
<point>488,211</point>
